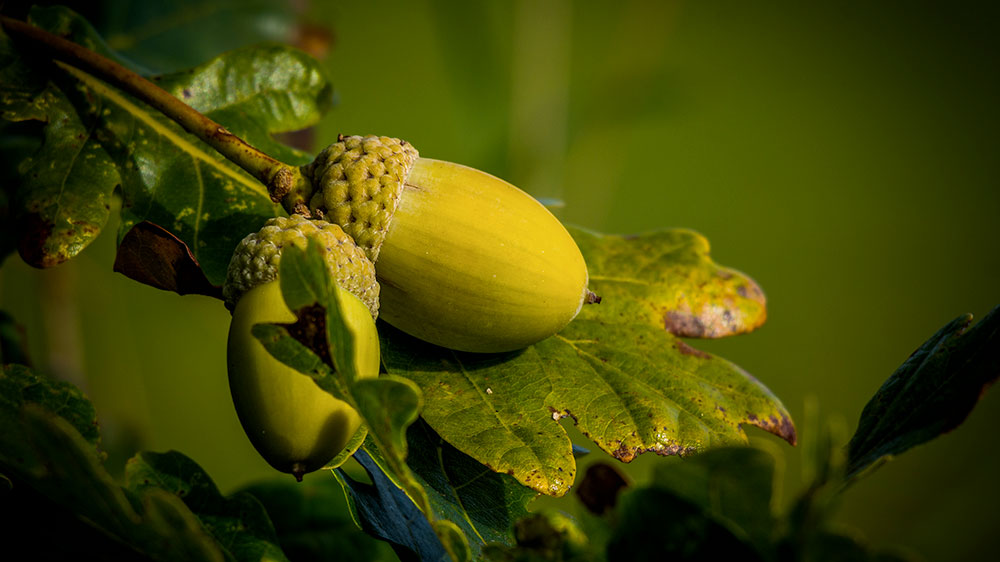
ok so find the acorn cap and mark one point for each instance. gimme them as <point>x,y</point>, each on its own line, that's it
<point>357,182</point>
<point>256,258</point>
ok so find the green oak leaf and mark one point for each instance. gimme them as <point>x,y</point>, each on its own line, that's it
<point>20,84</point>
<point>61,193</point>
<point>931,393</point>
<point>655,524</point>
<point>353,445</point>
<point>667,279</point>
<point>19,386</point>
<point>167,176</point>
<point>313,521</point>
<point>174,180</point>
<point>472,506</point>
<point>239,522</point>
<point>48,452</point>
<point>732,485</point>
<point>64,197</point>
<point>482,503</point>
<point>168,36</point>
<point>630,389</point>
<point>548,535</point>
<point>629,385</point>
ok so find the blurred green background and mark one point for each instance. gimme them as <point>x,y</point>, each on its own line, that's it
<point>845,156</point>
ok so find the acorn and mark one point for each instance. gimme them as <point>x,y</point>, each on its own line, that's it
<point>295,425</point>
<point>255,259</point>
<point>464,259</point>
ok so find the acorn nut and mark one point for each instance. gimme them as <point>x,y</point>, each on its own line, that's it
<point>255,259</point>
<point>465,260</point>
<point>295,425</point>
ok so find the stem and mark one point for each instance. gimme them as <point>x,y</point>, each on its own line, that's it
<point>282,180</point>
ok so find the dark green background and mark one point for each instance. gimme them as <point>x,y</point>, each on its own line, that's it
<point>845,156</point>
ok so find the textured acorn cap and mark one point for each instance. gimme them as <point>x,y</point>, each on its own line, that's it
<point>256,258</point>
<point>357,182</point>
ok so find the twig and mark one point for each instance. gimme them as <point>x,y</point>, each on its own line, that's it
<point>280,179</point>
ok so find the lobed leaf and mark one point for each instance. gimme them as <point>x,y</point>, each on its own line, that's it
<point>630,388</point>
<point>667,279</point>
<point>931,393</point>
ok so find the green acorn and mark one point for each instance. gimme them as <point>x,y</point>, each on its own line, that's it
<point>465,260</point>
<point>294,425</point>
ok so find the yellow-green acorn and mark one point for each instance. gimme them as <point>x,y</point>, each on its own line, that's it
<point>465,260</point>
<point>296,426</point>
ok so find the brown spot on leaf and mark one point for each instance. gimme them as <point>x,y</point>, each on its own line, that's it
<point>624,453</point>
<point>34,234</point>
<point>628,454</point>
<point>684,324</point>
<point>673,449</point>
<point>686,349</point>
<point>782,427</point>
<point>152,255</point>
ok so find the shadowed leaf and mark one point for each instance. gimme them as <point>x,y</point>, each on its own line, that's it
<point>13,344</point>
<point>931,393</point>
<point>732,485</point>
<point>313,521</point>
<point>237,522</point>
<point>383,510</point>
<point>42,449</point>
<point>168,36</point>
<point>19,386</point>
<point>150,254</point>
<point>63,198</point>
<point>655,524</point>
<point>483,504</point>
